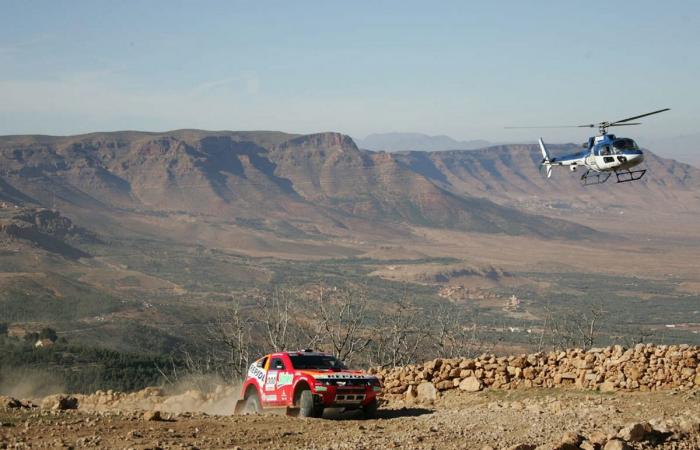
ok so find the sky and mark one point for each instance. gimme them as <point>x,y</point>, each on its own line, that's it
<point>460,68</point>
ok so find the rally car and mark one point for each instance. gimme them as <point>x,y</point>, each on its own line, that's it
<point>305,383</point>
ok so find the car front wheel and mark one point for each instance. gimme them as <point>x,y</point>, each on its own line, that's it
<point>252,404</point>
<point>307,407</point>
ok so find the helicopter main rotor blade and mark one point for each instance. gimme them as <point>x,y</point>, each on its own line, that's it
<point>546,126</point>
<point>624,124</point>
<point>640,116</point>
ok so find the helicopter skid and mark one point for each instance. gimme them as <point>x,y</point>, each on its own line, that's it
<point>590,178</point>
<point>625,176</point>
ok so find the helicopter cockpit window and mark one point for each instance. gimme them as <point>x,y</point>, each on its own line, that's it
<point>605,150</point>
<point>625,144</point>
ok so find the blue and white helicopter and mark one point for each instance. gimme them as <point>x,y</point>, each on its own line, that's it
<point>605,154</point>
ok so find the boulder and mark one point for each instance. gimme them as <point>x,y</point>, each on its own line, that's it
<point>616,444</point>
<point>9,402</point>
<point>152,416</point>
<point>59,402</point>
<point>470,384</point>
<point>598,438</point>
<point>444,385</point>
<point>588,445</point>
<point>636,432</point>
<point>571,440</point>
<point>426,392</point>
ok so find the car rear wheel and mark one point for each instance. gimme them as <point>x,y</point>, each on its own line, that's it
<point>307,407</point>
<point>370,409</point>
<point>252,404</point>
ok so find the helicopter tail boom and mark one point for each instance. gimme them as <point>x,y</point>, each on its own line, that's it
<point>546,160</point>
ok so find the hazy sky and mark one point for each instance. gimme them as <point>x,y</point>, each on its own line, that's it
<point>465,69</point>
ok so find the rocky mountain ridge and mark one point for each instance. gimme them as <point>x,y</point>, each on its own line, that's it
<point>321,182</point>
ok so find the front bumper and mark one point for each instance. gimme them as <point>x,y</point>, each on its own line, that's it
<point>347,397</point>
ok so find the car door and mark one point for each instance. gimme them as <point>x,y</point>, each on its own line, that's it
<point>285,382</point>
<point>271,396</point>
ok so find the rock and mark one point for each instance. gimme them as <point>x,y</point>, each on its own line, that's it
<point>426,392</point>
<point>608,386</point>
<point>689,426</point>
<point>59,402</point>
<point>152,416</point>
<point>523,447</point>
<point>410,395</point>
<point>587,445</point>
<point>598,438</point>
<point>470,384</point>
<point>444,385</point>
<point>10,403</point>
<point>616,444</point>
<point>571,439</point>
<point>636,432</point>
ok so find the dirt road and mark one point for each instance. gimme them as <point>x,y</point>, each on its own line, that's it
<point>499,419</point>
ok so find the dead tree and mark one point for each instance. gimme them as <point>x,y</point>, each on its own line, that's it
<point>339,321</point>
<point>454,333</point>
<point>276,314</point>
<point>565,329</point>
<point>230,340</point>
<point>400,336</point>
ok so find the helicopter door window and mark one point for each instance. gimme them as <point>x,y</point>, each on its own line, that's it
<point>605,150</point>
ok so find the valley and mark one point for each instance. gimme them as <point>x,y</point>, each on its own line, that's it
<point>129,237</point>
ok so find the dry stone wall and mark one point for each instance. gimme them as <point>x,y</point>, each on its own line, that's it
<point>645,367</point>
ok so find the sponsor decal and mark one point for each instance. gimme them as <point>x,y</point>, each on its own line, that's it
<point>257,373</point>
<point>284,379</point>
<point>270,397</point>
<point>271,380</point>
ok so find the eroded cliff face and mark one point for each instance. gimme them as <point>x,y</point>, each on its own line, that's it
<point>323,178</point>
<point>45,229</point>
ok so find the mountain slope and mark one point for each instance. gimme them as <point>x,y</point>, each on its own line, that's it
<point>322,180</point>
<point>508,174</point>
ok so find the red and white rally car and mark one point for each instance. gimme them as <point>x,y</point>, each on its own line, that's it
<point>306,382</point>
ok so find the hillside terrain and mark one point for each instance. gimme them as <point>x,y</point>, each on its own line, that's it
<point>127,238</point>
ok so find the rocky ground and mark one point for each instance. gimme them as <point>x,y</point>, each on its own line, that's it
<point>497,419</point>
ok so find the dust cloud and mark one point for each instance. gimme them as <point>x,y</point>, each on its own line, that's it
<point>29,384</point>
<point>199,394</point>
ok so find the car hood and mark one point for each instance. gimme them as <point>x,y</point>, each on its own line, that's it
<point>344,375</point>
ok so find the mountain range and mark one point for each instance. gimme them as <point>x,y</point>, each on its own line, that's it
<point>306,185</point>
<point>394,142</point>
<point>131,237</point>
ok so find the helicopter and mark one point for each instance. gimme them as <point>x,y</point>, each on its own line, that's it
<point>604,154</point>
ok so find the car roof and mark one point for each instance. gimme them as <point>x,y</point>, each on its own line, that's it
<point>299,352</point>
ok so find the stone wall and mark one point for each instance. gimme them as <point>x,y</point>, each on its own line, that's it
<point>645,367</point>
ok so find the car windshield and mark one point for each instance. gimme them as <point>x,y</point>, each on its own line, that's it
<point>327,362</point>
<point>625,144</point>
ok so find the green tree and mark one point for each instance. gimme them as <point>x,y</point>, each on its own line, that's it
<point>31,337</point>
<point>48,333</point>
